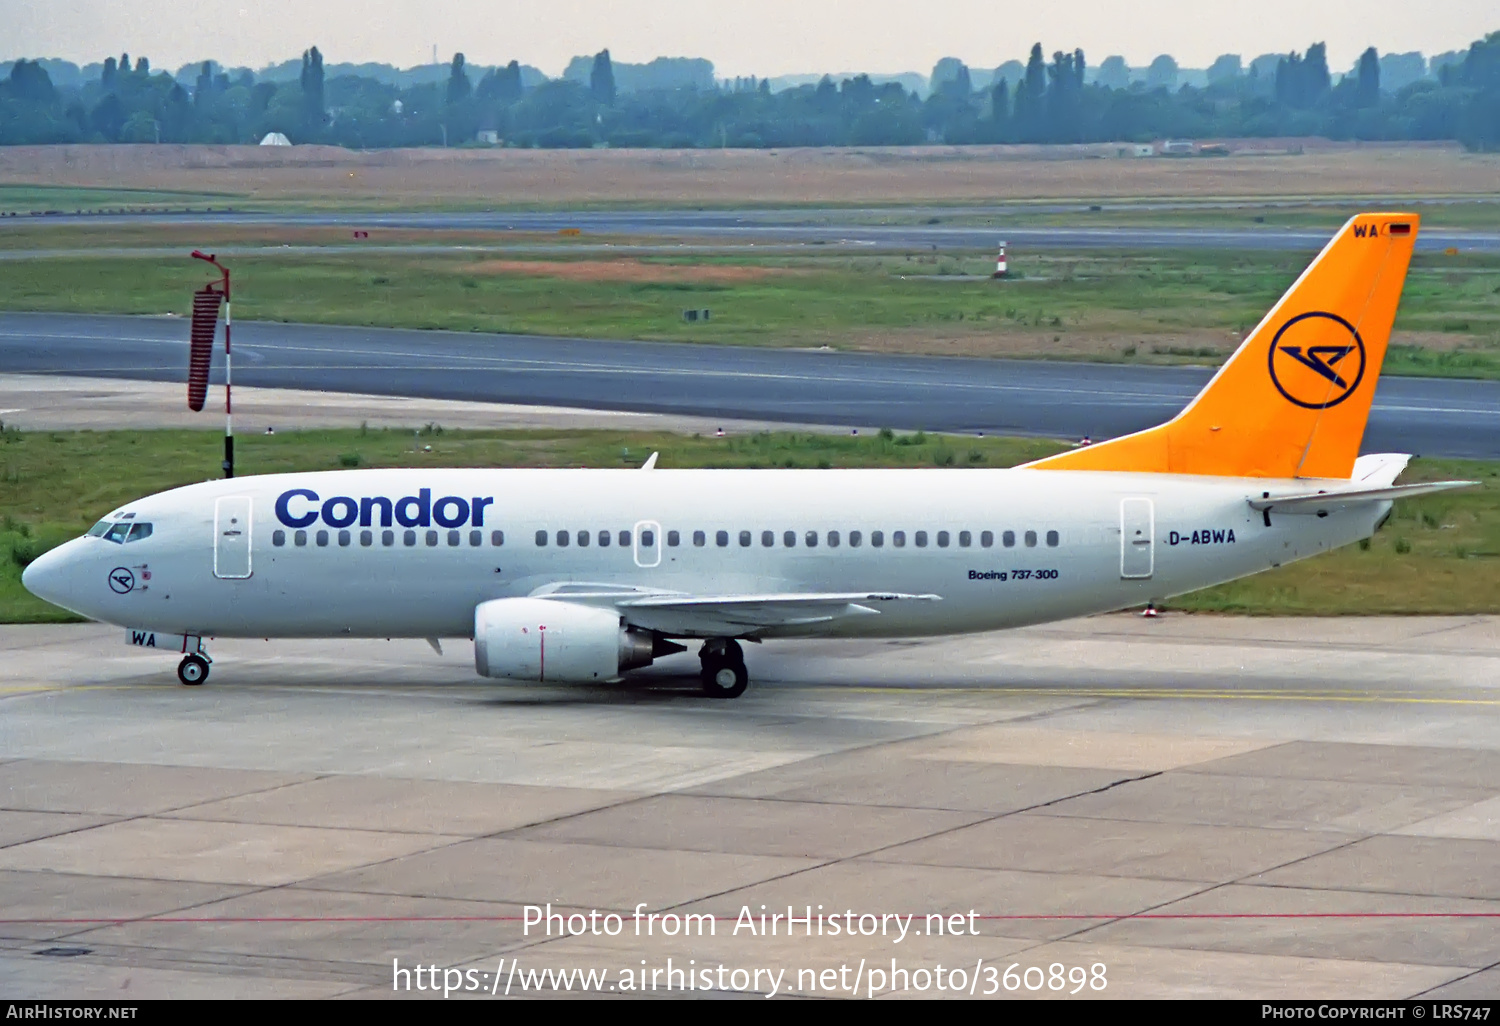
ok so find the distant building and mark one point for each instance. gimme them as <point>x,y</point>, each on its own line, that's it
<point>275,139</point>
<point>487,136</point>
<point>1177,148</point>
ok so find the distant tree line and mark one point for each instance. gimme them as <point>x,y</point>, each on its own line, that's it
<point>1043,101</point>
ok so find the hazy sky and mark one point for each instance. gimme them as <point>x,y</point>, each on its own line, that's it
<point>741,37</point>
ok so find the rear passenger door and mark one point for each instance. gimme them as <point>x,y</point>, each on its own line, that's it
<point>1137,538</point>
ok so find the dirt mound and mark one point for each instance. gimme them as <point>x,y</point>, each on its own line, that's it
<point>624,270</point>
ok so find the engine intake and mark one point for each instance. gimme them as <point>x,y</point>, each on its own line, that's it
<point>554,642</point>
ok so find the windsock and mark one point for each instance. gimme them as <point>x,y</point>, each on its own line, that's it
<point>206,303</point>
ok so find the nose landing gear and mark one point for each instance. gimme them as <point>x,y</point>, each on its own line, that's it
<point>724,674</point>
<point>193,670</point>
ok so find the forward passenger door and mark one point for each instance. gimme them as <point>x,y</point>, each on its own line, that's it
<point>232,537</point>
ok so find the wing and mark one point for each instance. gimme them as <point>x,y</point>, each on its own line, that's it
<point>736,615</point>
<point>711,616</point>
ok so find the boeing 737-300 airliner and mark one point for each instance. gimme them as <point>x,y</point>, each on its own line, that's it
<point>572,576</point>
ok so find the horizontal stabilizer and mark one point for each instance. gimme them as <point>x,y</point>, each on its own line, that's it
<point>1326,501</point>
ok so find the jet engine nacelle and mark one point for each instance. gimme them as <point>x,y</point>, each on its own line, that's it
<point>558,642</point>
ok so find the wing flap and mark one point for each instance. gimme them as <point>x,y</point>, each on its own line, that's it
<point>712,616</point>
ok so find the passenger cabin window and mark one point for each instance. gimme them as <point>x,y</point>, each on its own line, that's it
<point>625,540</point>
<point>322,537</point>
<point>721,538</point>
<point>497,538</point>
<point>583,539</point>
<point>964,539</point>
<point>986,538</point>
<point>1008,539</point>
<point>604,539</point>
<point>921,539</point>
<point>541,538</point>
<point>833,539</point>
<point>387,538</point>
<point>699,538</point>
<point>1031,539</point>
<point>344,538</point>
<point>408,538</point>
<point>789,539</point>
<point>562,539</point>
<point>648,539</point>
<point>942,539</point>
<point>898,539</point>
<point>744,539</point>
<point>877,538</point>
<point>300,538</point>
<point>854,539</point>
<point>812,539</point>
<point>673,539</point>
<point>1052,539</point>
<point>367,538</point>
<point>278,538</point>
<point>768,539</point>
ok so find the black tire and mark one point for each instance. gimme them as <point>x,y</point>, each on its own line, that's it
<point>724,679</point>
<point>192,671</point>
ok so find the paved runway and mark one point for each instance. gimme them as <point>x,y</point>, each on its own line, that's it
<point>1201,806</point>
<point>825,227</point>
<point>1428,416</point>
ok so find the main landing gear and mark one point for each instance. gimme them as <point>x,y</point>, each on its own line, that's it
<point>193,670</point>
<point>724,673</point>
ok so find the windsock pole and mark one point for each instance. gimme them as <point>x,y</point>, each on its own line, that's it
<point>228,464</point>
<point>1001,267</point>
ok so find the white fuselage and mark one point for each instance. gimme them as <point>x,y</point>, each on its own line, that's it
<point>1080,542</point>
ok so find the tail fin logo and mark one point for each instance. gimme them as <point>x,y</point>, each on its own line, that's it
<point>1317,360</point>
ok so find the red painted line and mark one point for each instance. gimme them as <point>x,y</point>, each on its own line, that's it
<point>516,919</point>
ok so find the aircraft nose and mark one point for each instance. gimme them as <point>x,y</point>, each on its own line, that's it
<point>47,577</point>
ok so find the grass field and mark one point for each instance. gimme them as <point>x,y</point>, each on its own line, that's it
<point>37,198</point>
<point>1322,216</point>
<point>1146,307</point>
<point>1437,554</point>
<point>323,176</point>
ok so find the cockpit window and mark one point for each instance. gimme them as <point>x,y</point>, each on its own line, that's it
<point>117,533</point>
<point>97,531</point>
<point>139,531</point>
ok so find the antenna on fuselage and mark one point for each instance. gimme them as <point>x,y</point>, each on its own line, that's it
<point>200,357</point>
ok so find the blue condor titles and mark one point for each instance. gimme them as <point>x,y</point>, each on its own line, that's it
<point>301,507</point>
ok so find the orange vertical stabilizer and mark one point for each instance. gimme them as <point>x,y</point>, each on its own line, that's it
<point>1294,398</point>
